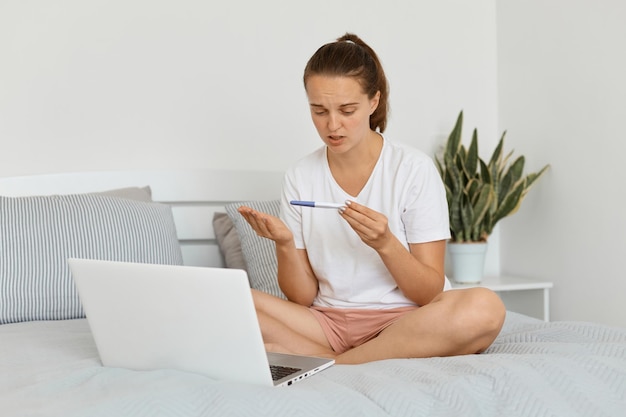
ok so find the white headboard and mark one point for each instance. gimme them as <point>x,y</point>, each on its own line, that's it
<point>194,195</point>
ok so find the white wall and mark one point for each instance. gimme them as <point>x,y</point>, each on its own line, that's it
<point>119,84</point>
<point>562,98</point>
<point>195,83</point>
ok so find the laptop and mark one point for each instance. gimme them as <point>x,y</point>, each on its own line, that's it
<point>195,319</point>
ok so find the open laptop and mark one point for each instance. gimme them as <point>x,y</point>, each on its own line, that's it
<point>195,319</point>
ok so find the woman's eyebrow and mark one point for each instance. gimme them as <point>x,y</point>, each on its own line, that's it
<point>341,105</point>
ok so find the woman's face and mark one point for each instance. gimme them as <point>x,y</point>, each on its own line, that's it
<point>340,111</point>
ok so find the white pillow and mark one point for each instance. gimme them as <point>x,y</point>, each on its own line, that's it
<point>39,233</point>
<point>259,253</point>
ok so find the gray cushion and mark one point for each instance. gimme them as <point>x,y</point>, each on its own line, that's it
<point>228,241</point>
<point>259,253</point>
<point>40,233</point>
<point>134,193</point>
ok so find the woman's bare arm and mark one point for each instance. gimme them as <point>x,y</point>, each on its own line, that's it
<point>419,272</point>
<point>295,276</point>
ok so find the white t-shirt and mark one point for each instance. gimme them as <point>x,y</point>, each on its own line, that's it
<point>405,186</point>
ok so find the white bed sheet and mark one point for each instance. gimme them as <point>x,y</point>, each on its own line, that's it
<point>533,369</point>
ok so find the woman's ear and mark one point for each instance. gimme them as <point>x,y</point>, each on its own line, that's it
<point>374,102</point>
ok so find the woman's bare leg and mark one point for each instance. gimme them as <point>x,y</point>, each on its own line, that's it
<point>456,322</point>
<point>289,327</point>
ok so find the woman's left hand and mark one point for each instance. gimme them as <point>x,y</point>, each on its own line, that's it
<point>371,226</point>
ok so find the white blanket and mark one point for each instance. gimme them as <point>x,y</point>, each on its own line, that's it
<point>532,369</point>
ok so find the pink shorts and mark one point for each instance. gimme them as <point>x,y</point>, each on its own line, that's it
<point>346,328</point>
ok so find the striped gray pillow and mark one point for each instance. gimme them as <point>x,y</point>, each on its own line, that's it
<point>259,253</point>
<point>38,234</point>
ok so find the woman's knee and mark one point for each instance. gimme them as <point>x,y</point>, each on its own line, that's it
<point>486,311</point>
<point>475,313</point>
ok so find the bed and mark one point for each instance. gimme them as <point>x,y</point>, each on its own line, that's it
<point>49,364</point>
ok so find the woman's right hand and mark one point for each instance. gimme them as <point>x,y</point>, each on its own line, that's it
<point>295,277</point>
<point>266,225</point>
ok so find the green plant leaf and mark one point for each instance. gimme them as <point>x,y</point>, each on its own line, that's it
<point>496,157</point>
<point>485,173</point>
<point>480,194</point>
<point>467,213</point>
<point>511,176</point>
<point>471,161</point>
<point>472,188</point>
<point>454,177</point>
<point>481,209</point>
<point>456,223</point>
<point>511,202</point>
<point>534,176</point>
<point>454,139</point>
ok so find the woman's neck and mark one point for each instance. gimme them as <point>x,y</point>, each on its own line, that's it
<point>359,157</point>
<point>351,170</point>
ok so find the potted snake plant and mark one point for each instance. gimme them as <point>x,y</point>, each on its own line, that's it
<point>479,195</point>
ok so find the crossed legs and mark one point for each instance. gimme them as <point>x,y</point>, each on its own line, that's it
<point>289,327</point>
<point>456,322</point>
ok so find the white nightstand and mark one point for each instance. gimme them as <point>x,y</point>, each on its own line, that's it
<point>507,287</point>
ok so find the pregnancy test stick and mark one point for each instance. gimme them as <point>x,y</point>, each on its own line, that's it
<point>317,204</point>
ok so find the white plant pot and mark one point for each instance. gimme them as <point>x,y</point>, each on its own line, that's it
<point>467,261</point>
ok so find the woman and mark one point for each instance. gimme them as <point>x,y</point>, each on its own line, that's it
<point>365,282</point>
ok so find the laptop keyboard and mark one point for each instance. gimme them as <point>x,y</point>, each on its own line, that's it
<point>279,372</point>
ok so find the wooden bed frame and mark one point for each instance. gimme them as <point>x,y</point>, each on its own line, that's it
<point>194,196</point>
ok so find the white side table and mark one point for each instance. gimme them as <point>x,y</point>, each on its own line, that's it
<point>509,284</point>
